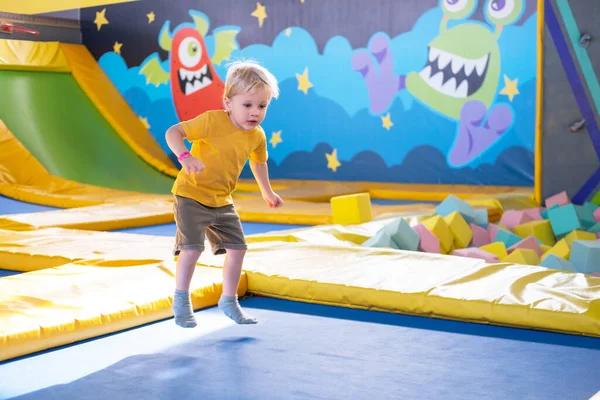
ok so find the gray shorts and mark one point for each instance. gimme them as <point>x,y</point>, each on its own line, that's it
<point>221,225</point>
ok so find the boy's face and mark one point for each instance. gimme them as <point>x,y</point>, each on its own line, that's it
<point>248,110</point>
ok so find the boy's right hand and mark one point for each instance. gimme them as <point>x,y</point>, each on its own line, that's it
<point>192,165</point>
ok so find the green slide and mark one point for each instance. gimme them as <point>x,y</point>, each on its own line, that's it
<point>59,125</point>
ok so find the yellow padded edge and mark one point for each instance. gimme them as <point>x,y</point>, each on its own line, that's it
<point>49,308</point>
<point>31,7</point>
<point>25,55</point>
<point>107,99</point>
<point>34,184</point>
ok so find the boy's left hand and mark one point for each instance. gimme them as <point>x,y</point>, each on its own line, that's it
<point>273,200</point>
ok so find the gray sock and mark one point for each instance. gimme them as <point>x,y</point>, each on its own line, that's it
<point>182,309</point>
<point>231,307</point>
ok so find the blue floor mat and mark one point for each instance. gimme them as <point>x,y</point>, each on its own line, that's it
<point>307,351</point>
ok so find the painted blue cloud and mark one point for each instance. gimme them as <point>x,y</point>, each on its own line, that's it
<point>126,78</point>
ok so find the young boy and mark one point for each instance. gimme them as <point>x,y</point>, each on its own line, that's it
<point>222,141</point>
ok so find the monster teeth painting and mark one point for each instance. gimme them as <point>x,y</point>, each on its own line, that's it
<point>192,81</point>
<point>453,75</point>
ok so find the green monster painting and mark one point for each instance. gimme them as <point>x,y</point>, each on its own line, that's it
<point>459,80</point>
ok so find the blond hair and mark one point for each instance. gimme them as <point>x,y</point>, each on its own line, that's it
<point>246,76</point>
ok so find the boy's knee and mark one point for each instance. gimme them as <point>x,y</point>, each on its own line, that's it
<point>236,252</point>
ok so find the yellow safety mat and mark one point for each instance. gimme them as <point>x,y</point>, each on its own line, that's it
<point>23,178</point>
<point>324,264</point>
<point>318,191</point>
<point>44,6</point>
<point>32,56</point>
<point>53,307</point>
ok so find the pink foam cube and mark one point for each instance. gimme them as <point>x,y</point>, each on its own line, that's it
<point>597,215</point>
<point>512,218</point>
<point>428,243</point>
<point>560,199</point>
<point>528,243</point>
<point>481,236</point>
<point>493,231</point>
<point>535,214</point>
<point>596,274</point>
<point>474,252</point>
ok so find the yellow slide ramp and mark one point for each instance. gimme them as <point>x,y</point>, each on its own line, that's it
<point>80,284</point>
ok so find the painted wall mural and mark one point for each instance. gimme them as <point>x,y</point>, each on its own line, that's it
<point>444,95</point>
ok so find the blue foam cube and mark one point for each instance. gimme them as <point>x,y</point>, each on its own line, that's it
<point>403,235</point>
<point>508,238</point>
<point>545,212</point>
<point>590,206</point>
<point>381,240</point>
<point>452,204</point>
<point>555,262</point>
<point>595,228</point>
<point>563,220</point>
<point>481,217</point>
<point>586,216</point>
<point>585,256</point>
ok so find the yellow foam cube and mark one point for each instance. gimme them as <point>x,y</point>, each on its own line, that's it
<point>545,248</point>
<point>561,249</point>
<point>522,256</point>
<point>351,209</point>
<point>579,235</point>
<point>441,230</point>
<point>497,248</point>
<point>540,229</point>
<point>460,229</point>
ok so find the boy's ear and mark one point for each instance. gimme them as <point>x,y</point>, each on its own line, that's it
<point>227,103</point>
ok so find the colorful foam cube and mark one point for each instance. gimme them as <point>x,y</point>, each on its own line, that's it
<point>534,214</point>
<point>481,236</point>
<point>586,216</point>
<point>428,242</point>
<point>493,231</point>
<point>460,230</point>
<point>507,237</point>
<point>512,218</point>
<point>402,234</point>
<point>481,217</point>
<point>545,248</point>
<point>590,206</point>
<point>440,228</point>
<point>541,230</point>
<point>473,252</point>
<point>351,209</point>
<point>452,204</point>
<point>597,274</point>
<point>496,248</point>
<point>561,249</point>
<point>594,228</point>
<point>545,211</point>
<point>522,256</point>
<point>564,219</point>
<point>585,256</point>
<point>597,215</point>
<point>560,199</point>
<point>555,262</point>
<point>579,235</point>
<point>381,240</point>
<point>528,243</point>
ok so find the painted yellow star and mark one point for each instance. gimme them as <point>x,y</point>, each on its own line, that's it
<point>117,47</point>
<point>101,19</point>
<point>276,139</point>
<point>260,13</point>
<point>288,32</point>
<point>510,88</point>
<point>332,161</point>
<point>145,122</point>
<point>303,83</point>
<point>151,17</point>
<point>387,121</point>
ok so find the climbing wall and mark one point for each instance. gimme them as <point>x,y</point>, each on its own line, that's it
<point>569,159</point>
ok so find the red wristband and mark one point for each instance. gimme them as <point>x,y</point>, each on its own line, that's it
<point>183,155</point>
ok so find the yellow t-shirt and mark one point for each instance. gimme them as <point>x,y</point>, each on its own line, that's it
<point>224,150</point>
